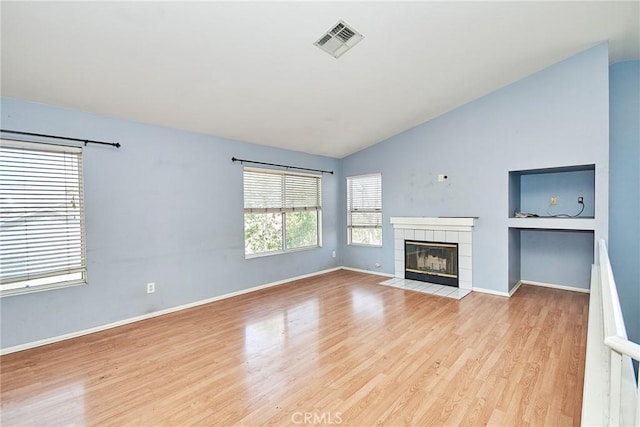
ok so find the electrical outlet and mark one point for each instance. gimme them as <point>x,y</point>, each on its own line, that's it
<point>581,200</point>
<point>554,200</point>
<point>442,177</point>
<point>151,288</point>
<point>333,254</point>
<point>377,264</point>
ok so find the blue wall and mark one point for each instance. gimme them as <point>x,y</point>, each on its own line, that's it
<point>167,208</point>
<point>556,117</point>
<point>537,189</point>
<point>624,226</point>
<point>540,261</point>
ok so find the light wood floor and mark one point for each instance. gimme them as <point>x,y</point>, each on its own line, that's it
<point>332,349</point>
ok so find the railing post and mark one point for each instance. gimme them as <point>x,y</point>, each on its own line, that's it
<point>615,387</point>
<point>616,402</point>
<point>637,417</point>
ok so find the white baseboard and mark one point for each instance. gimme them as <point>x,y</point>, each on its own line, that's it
<point>80,333</point>
<point>554,286</point>
<point>490,292</point>
<point>515,288</point>
<point>358,270</point>
<point>63,337</point>
<point>529,282</point>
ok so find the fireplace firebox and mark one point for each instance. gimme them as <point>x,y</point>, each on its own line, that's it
<point>433,262</point>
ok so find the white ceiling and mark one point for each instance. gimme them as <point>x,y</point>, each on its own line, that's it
<point>249,70</point>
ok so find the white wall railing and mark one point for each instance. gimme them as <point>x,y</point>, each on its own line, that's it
<point>610,395</point>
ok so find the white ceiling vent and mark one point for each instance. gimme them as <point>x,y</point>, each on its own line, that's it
<point>339,39</point>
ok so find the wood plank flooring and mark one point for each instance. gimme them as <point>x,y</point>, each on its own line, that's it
<point>332,349</point>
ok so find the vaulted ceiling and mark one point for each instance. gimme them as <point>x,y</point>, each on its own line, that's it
<point>249,70</point>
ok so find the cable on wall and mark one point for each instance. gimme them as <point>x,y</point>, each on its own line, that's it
<point>243,161</point>
<point>44,135</point>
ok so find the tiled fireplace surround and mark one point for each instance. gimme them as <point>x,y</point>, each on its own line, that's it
<point>437,229</point>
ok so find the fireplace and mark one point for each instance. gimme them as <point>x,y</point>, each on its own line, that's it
<point>433,262</point>
<point>458,230</point>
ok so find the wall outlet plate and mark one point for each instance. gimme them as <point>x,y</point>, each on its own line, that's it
<point>554,200</point>
<point>151,288</point>
<point>442,177</point>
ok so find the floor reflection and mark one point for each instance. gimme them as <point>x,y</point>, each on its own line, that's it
<point>63,405</point>
<point>368,304</point>
<point>264,336</point>
<point>271,333</point>
<point>279,348</point>
<point>302,320</point>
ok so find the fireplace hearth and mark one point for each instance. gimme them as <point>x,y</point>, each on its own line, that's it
<point>433,262</point>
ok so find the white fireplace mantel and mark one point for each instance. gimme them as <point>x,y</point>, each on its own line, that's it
<point>439,229</point>
<point>433,223</point>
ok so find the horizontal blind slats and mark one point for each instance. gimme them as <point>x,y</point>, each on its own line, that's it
<point>17,258</point>
<point>272,191</point>
<point>41,210</point>
<point>38,234</point>
<point>279,210</point>
<point>26,247</point>
<point>31,157</point>
<point>364,201</point>
<point>20,216</point>
<point>41,275</point>
<point>366,219</point>
<point>262,190</point>
<point>364,192</point>
<point>301,191</point>
<point>43,266</point>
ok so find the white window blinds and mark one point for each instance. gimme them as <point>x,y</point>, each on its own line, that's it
<point>364,209</point>
<point>282,211</point>
<point>266,191</point>
<point>42,216</point>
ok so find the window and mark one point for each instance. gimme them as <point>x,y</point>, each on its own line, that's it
<point>42,217</point>
<point>282,211</point>
<point>364,210</point>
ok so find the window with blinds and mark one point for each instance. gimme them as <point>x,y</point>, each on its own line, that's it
<point>42,243</point>
<point>364,210</point>
<point>282,211</point>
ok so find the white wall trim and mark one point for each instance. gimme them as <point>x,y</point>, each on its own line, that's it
<point>123,322</point>
<point>358,270</point>
<point>515,288</point>
<point>554,286</point>
<point>490,292</point>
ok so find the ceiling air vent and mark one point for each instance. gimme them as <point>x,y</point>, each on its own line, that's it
<point>339,39</point>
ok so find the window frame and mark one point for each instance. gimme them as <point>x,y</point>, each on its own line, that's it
<point>283,210</point>
<point>44,281</point>
<point>350,211</point>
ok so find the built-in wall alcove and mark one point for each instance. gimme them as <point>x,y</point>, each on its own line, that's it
<point>552,225</point>
<point>559,258</point>
<point>531,192</point>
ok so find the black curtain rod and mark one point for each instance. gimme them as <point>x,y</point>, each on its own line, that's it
<point>43,135</point>
<point>242,161</point>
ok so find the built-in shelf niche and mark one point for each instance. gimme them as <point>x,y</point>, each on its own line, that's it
<point>553,257</point>
<point>556,247</point>
<point>530,191</point>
